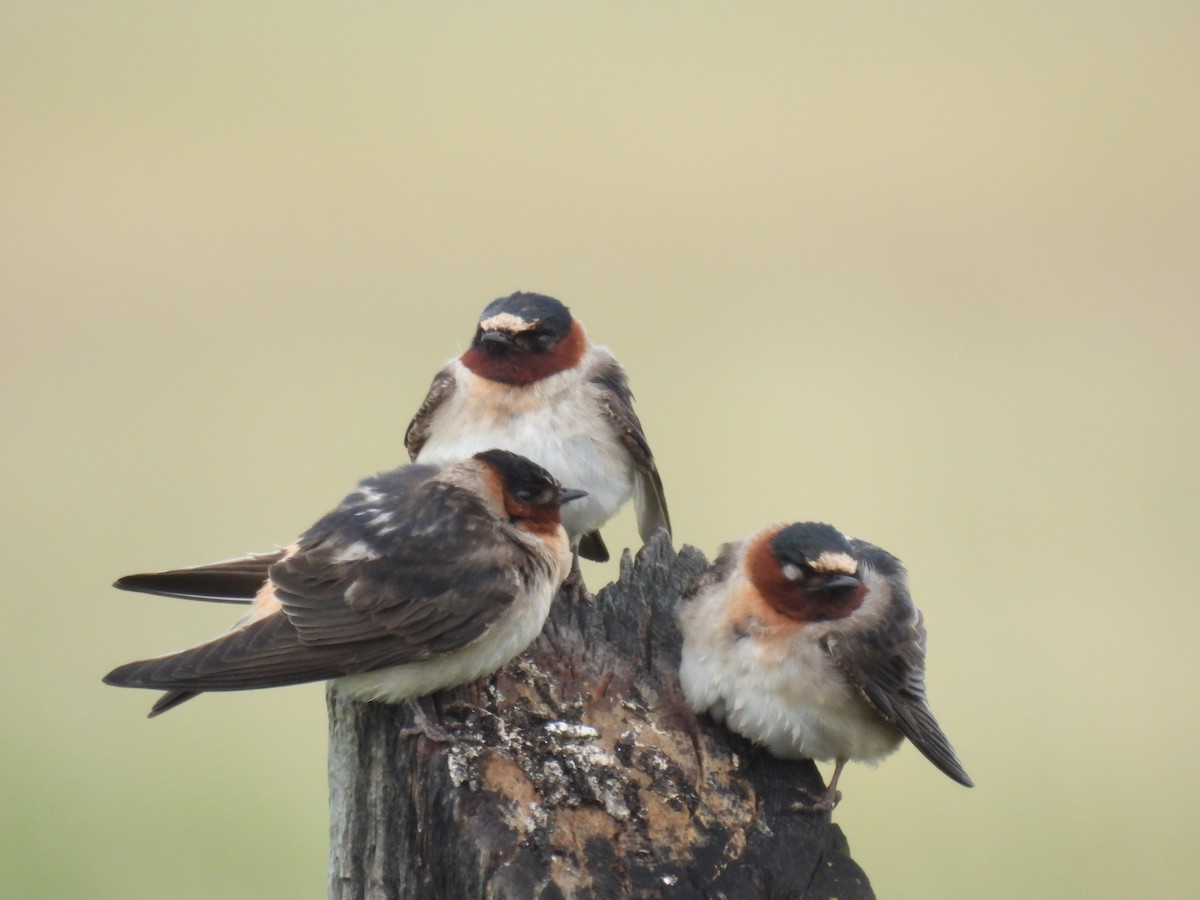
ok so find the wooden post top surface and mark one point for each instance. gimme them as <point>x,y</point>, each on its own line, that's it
<point>577,771</point>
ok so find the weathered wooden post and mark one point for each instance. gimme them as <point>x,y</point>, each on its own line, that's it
<point>577,772</point>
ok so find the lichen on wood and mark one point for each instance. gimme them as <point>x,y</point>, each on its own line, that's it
<point>577,771</point>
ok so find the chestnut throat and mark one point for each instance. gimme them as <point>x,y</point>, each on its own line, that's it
<point>794,599</point>
<point>522,367</point>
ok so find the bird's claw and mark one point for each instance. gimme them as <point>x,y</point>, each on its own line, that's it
<point>573,585</point>
<point>817,804</point>
<point>423,725</point>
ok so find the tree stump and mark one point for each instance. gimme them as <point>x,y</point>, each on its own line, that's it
<point>577,771</point>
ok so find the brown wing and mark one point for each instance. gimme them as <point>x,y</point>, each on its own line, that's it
<point>617,405</point>
<point>418,429</point>
<point>446,575</point>
<point>890,668</point>
<point>363,592</point>
<point>229,581</point>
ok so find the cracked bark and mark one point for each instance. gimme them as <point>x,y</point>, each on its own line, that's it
<point>577,772</point>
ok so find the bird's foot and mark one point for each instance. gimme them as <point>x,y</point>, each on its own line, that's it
<point>817,804</point>
<point>423,725</point>
<point>824,802</point>
<point>573,585</point>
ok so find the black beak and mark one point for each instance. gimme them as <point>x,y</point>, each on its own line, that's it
<point>497,342</point>
<point>837,581</point>
<point>569,495</point>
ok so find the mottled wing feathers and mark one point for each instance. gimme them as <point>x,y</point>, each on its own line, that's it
<point>617,404</point>
<point>418,429</point>
<point>228,581</point>
<point>414,583</point>
<point>890,668</point>
<point>407,568</point>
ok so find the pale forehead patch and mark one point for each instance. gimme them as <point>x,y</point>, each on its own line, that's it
<point>504,321</point>
<point>835,562</point>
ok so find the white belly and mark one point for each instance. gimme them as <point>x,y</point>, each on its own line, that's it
<point>784,694</point>
<point>557,426</point>
<point>491,651</point>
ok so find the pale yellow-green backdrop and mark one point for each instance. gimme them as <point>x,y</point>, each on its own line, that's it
<point>928,271</point>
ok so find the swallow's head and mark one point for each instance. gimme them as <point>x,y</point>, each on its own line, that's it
<point>524,338</point>
<point>807,572</point>
<point>531,495</point>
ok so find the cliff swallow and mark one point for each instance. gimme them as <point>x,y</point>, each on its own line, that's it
<point>533,383</point>
<point>424,578</point>
<point>808,642</point>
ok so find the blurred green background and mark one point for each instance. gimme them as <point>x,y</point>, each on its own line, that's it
<point>930,272</point>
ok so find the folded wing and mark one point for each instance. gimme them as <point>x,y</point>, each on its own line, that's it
<point>400,572</point>
<point>890,672</point>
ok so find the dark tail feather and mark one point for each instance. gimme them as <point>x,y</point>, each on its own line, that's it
<point>134,675</point>
<point>230,581</point>
<point>185,586</point>
<point>170,700</point>
<point>591,546</point>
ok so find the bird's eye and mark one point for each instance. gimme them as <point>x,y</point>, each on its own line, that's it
<point>791,572</point>
<point>544,339</point>
<point>525,495</point>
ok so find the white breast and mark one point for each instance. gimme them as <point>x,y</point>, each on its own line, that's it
<point>774,686</point>
<point>556,422</point>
